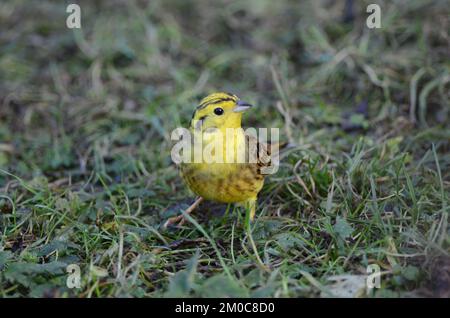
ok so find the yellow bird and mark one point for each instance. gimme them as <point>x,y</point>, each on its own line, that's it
<point>224,181</point>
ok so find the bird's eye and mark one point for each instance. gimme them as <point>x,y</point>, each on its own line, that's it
<point>218,111</point>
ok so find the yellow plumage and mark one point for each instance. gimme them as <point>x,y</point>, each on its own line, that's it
<point>223,181</point>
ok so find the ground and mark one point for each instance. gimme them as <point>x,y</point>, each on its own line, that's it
<point>86,176</point>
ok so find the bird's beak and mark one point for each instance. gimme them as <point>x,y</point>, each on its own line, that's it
<point>241,106</point>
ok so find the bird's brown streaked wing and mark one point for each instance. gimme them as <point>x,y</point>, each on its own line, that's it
<point>259,151</point>
<point>263,152</point>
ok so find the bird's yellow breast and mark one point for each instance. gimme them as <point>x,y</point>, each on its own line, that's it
<point>223,182</point>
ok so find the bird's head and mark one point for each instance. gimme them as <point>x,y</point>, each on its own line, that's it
<point>219,110</point>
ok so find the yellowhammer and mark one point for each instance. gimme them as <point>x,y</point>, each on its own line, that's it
<point>227,181</point>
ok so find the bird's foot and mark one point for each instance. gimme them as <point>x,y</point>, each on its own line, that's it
<point>178,220</point>
<point>181,219</point>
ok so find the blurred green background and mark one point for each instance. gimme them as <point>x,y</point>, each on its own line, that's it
<point>86,176</point>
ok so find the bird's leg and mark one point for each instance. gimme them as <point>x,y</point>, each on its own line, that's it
<point>250,206</point>
<point>180,219</point>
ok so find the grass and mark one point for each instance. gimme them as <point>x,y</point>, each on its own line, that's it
<point>86,176</point>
